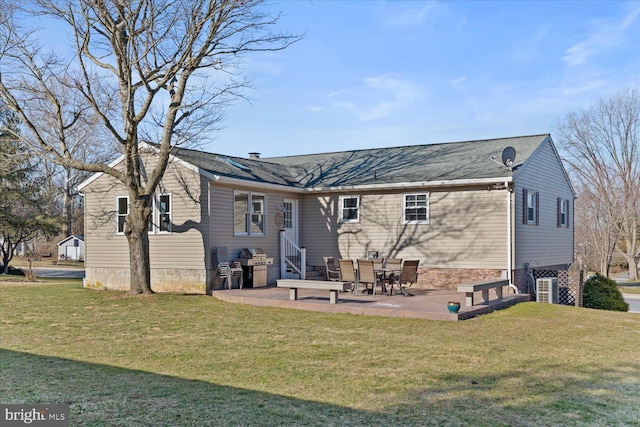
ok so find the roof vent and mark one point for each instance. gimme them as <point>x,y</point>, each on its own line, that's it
<point>254,155</point>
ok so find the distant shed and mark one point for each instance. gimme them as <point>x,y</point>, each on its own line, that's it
<point>71,248</point>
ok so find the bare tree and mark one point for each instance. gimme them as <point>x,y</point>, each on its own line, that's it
<point>596,234</point>
<point>170,63</point>
<point>603,149</point>
<point>85,139</point>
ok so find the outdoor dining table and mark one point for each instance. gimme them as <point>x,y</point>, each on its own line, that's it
<point>390,273</point>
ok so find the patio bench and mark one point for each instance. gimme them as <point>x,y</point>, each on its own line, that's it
<point>484,286</point>
<point>332,287</point>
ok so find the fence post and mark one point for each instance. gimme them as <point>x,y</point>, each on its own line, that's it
<point>282,255</point>
<point>579,302</point>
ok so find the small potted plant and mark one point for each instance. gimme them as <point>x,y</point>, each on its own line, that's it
<point>453,306</point>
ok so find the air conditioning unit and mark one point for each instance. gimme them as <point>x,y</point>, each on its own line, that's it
<point>547,290</point>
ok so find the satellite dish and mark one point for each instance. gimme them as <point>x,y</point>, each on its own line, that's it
<point>508,156</point>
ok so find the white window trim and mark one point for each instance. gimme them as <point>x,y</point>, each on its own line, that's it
<point>118,214</point>
<point>265,205</point>
<point>404,208</point>
<point>156,213</point>
<point>564,208</point>
<point>286,211</point>
<point>532,196</point>
<point>341,210</point>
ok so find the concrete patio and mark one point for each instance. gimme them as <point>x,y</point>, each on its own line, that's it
<point>425,304</point>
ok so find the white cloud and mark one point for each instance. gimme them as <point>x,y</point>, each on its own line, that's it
<point>380,96</point>
<point>529,48</point>
<point>459,84</point>
<point>631,18</point>
<point>608,34</point>
<point>411,17</point>
<point>577,54</point>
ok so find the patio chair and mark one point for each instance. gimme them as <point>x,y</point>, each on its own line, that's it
<point>333,271</point>
<point>394,265</point>
<point>378,264</point>
<point>367,274</point>
<point>226,270</point>
<point>347,272</point>
<point>409,272</point>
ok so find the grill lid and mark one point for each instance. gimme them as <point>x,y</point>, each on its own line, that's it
<point>252,252</point>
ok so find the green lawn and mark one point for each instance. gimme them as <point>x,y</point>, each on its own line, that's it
<point>23,263</point>
<point>172,360</point>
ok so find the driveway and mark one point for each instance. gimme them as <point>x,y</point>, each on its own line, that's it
<point>67,273</point>
<point>632,299</point>
<point>634,302</point>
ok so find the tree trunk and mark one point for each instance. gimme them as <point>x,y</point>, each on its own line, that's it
<point>633,268</point>
<point>67,203</point>
<point>604,269</point>
<point>138,237</point>
<point>7,255</point>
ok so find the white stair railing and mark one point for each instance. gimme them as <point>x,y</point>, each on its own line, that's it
<point>292,257</point>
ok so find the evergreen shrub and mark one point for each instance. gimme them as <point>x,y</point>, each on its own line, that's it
<point>603,293</point>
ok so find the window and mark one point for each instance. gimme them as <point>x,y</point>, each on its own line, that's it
<point>349,208</point>
<point>161,207</point>
<point>416,208</point>
<point>248,214</point>
<point>287,214</point>
<point>164,213</point>
<point>531,207</point>
<point>122,210</point>
<point>257,214</point>
<point>563,212</point>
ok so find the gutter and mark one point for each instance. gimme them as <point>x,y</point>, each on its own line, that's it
<point>422,184</point>
<point>350,188</point>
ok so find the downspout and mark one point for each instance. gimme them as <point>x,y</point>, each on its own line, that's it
<point>510,238</point>
<point>84,219</point>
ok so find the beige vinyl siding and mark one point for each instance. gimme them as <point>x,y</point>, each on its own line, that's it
<point>545,243</point>
<point>466,229</point>
<point>222,233</point>
<point>103,247</point>
<point>182,248</point>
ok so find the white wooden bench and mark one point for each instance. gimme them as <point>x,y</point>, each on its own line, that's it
<point>332,287</point>
<point>483,286</point>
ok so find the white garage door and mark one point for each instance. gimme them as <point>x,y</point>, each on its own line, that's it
<point>72,252</point>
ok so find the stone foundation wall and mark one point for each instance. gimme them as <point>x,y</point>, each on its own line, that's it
<point>450,278</point>
<point>162,280</point>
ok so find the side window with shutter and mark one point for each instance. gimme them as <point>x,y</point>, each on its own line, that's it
<point>563,213</point>
<point>530,207</point>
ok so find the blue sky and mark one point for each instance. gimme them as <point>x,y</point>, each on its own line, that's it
<point>389,73</point>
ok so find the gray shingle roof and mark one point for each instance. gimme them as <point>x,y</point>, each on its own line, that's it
<point>237,167</point>
<point>417,163</point>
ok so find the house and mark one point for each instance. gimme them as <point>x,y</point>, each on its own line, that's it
<point>71,248</point>
<point>23,248</point>
<point>465,212</point>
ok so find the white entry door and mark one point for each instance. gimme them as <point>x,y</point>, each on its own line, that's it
<point>290,219</point>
